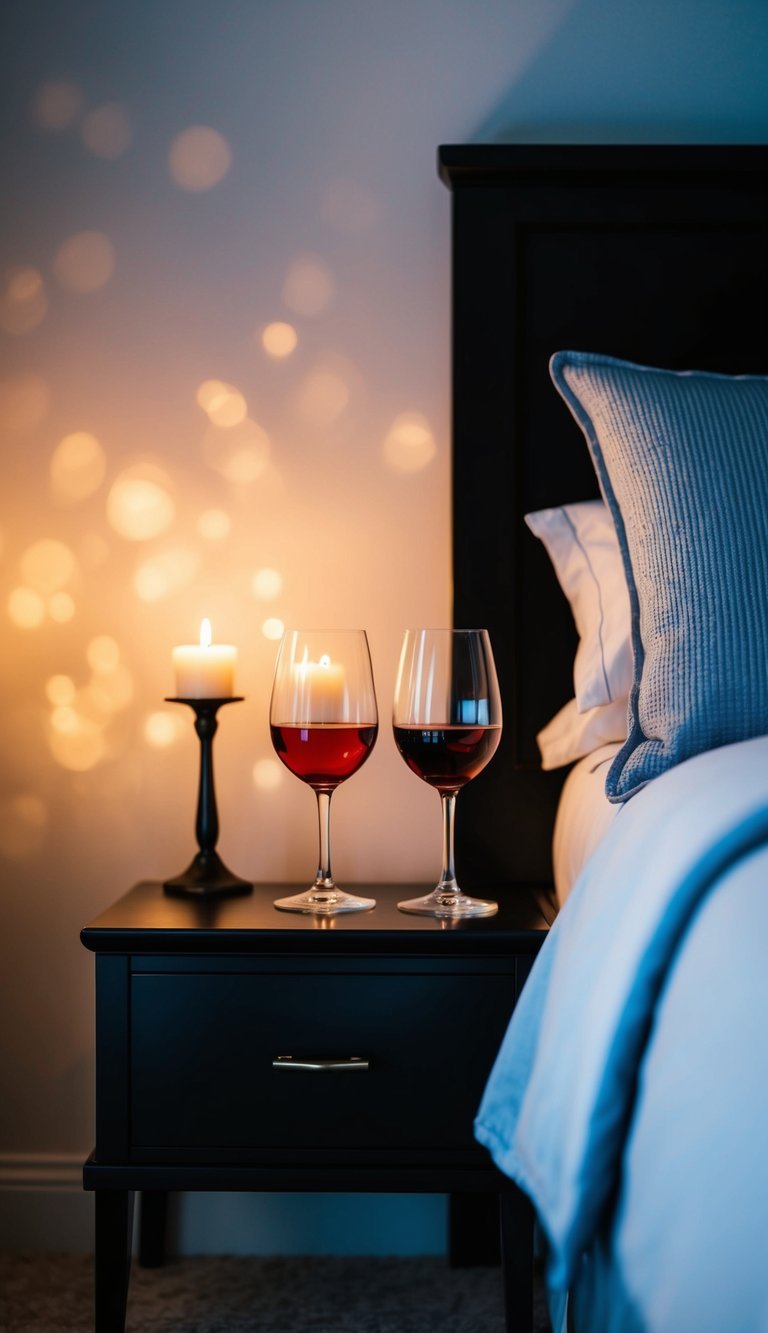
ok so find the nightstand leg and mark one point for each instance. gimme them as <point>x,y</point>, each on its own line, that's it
<point>517,1259</point>
<point>473,1230</point>
<point>153,1213</point>
<point>114,1234</point>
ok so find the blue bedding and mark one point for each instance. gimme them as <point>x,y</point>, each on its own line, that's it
<point>630,1096</point>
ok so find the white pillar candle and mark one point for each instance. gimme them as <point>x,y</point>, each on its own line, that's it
<point>320,690</point>
<point>205,670</point>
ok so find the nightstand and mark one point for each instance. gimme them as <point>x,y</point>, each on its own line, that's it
<point>241,1048</point>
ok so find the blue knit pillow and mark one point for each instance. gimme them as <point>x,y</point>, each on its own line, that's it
<point>682,460</point>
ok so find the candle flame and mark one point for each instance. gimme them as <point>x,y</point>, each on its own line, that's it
<point>325,660</point>
<point>206,637</point>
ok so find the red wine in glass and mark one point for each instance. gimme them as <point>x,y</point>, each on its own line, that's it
<point>447,726</point>
<point>324,722</point>
<point>447,757</point>
<point>323,755</point>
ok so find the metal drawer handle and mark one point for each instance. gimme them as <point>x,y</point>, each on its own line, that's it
<point>320,1065</point>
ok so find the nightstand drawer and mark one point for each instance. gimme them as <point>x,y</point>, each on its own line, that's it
<point>203,1047</point>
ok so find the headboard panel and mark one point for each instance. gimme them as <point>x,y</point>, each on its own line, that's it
<point>657,254</point>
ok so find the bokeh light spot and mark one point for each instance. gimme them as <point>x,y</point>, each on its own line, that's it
<point>64,720</point>
<point>162,730</point>
<point>223,403</point>
<point>139,504</point>
<point>165,573</point>
<point>23,303</point>
<point>322,397</point>
<point>23,403</point>
<point>79,746</point>
<point>47,565</point>
<point>102,653</point>
<point>61,607</point>
<point>267,774</point>
<point>240,454</point>
<point>109,691</point>
<point>267,584</point>
<point>60,690</point>
<point>308,287</point>
<point>26,608</point>
<point>214,525</point>
<point>84,262</point>
<point>78,466</point>
<point>279,339</point>
<point>24,819</point>
<point>150,582</point>
<point>24,284</point>
<point>57,103</point>
<point>80,718</point>
<point>107,130</point>
<point>273,628</point>
<point>409,444</point>
<point>199,158</point>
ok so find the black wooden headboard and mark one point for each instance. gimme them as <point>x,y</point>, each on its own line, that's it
<point>658,254</point>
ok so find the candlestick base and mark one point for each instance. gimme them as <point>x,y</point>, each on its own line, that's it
<point>206,876</point>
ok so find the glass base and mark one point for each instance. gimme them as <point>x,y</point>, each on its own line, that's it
<point>324,900</point>
<point>449,903</point>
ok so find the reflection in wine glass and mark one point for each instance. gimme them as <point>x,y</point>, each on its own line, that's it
<point>324,723</point>
<point>447,726</point>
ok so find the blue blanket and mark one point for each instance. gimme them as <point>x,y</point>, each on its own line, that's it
<point>559,1099</point>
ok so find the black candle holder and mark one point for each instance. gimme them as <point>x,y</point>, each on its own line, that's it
<point>206,875</point>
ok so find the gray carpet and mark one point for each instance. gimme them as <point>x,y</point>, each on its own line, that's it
<point>45,1293</point>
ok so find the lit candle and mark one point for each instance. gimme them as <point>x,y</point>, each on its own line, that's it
<point>321,689</point>
<point>205,670</point>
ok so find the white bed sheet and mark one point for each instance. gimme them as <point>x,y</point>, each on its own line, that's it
<point>584,815</point>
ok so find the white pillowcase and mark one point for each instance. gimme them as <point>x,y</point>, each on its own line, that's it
<point>581,542</point>
<point>571,734</point>
<point>584,815</point>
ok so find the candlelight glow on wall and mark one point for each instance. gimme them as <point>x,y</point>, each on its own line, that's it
<point>195,382</point>
<point>215,402</point>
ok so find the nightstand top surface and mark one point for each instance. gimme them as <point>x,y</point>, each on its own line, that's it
<point>148,920</point>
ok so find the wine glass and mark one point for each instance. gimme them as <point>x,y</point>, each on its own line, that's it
<point>324,724</point>
<point>447,725</point>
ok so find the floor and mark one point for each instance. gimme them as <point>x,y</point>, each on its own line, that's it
<point>224,1294</point>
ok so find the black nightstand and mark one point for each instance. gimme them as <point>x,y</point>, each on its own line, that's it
<point>242,1048</point>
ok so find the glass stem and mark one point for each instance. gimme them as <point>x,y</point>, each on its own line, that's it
<point>448,877</point>
<point>324,873</point>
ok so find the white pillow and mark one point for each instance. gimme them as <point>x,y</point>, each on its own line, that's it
<point>581,542</point>
<point>571,734</point>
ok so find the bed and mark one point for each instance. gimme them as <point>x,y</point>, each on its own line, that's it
<point>609,349</point>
